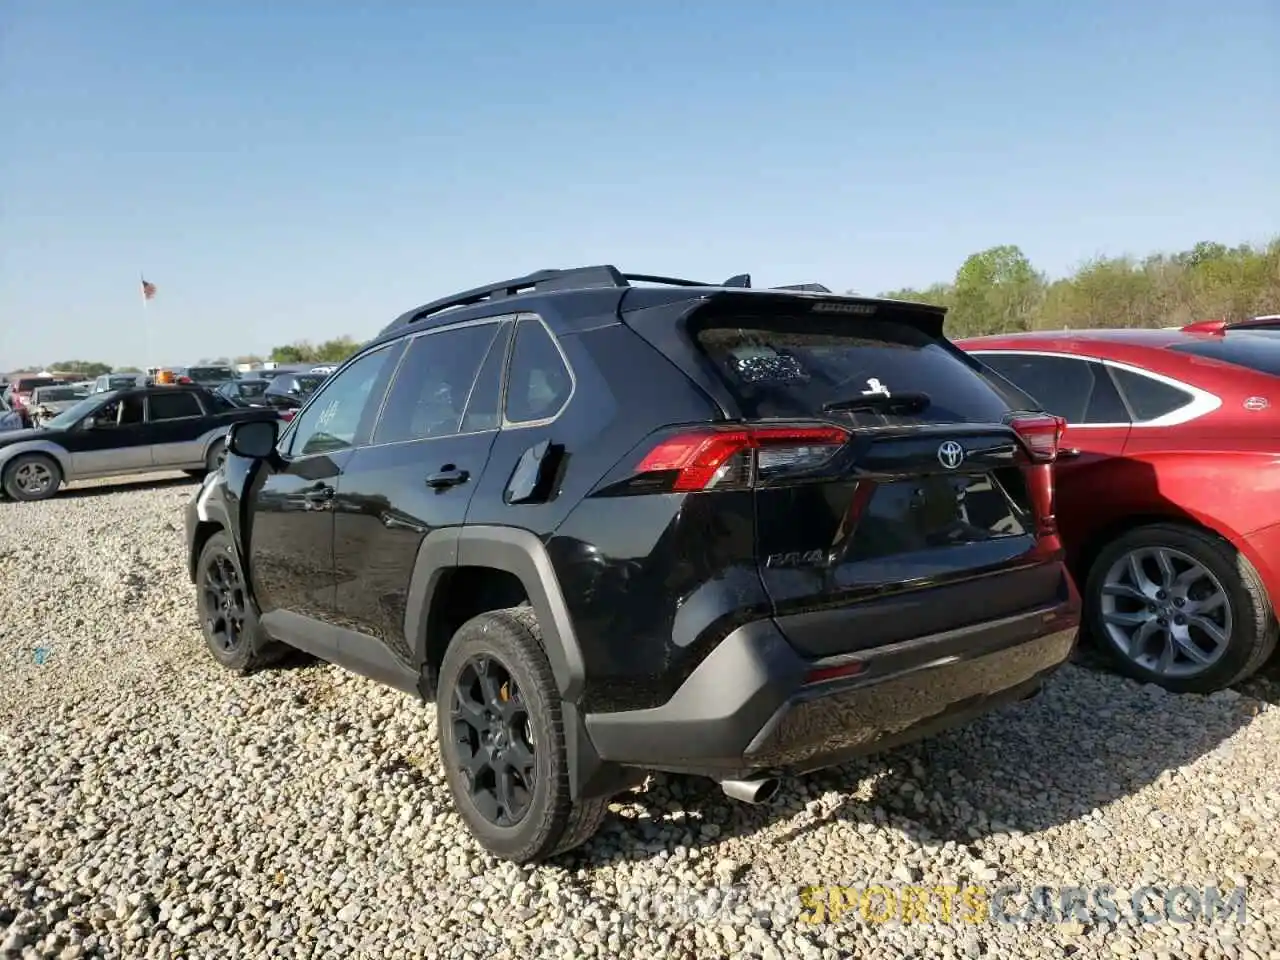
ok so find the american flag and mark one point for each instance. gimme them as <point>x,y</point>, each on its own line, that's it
<point>148,290</point>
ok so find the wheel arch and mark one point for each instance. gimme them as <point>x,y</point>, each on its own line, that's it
<point>52,450</point>
<point>1088,553</point>
<point>508,551</point>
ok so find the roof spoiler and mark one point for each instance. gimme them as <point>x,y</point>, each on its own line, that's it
<point>1270,321</point>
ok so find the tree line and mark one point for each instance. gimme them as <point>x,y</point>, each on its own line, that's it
<point>998,290</point>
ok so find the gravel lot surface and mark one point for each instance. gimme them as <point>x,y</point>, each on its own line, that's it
<point>154,805</point>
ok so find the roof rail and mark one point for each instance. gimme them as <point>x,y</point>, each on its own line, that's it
<point>577,278</point>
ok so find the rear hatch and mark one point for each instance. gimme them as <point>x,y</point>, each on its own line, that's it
<point>897,493</point>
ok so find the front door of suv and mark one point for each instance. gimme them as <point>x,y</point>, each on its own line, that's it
<point>419,473</point>
<point>290,536</point>
<point>1081,391</point>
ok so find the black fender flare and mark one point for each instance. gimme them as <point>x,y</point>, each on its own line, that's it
<point>515,551</point>
<point>523,555</point>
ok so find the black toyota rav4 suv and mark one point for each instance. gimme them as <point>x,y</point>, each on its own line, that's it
<point>615,523</point>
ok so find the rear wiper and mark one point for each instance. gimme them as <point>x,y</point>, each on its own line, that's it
<point>880,403</point>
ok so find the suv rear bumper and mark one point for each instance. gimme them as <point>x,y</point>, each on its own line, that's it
<point>747,708</point>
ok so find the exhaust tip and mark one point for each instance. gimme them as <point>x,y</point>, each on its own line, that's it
<point>760,790</point>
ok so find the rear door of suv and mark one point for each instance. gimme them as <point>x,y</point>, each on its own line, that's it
<point>888,472</point>
<point>418,472</point>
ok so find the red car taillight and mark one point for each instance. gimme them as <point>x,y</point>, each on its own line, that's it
<point>287,415</point>
<point>21,399</point>
<point>733,457</point>
<point>1041,435</point>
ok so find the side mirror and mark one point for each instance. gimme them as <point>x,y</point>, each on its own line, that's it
<point>255,439</point>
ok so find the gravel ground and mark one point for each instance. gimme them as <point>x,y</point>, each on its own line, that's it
<point>153,805</point>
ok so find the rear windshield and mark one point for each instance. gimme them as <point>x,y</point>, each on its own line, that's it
<point>211,374</point>
<point>252,388</point>
<point>122,383</point>
<point>1255,351</point>
<point>793,366</point>
<point>308,384</point>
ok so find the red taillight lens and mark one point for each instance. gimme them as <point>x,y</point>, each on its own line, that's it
<point>1040,435</point>
<point>736,457</point>
<point>20,399</point>
<point>287,415</point>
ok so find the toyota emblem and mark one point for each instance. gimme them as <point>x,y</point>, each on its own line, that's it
<point>951,454</point>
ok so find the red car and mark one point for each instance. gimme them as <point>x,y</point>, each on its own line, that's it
<point>1168,488</point>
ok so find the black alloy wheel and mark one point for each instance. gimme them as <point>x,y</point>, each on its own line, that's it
<point>223,602</point>
<point>496,749</point>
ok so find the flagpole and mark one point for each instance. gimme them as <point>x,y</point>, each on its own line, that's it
<point>146,326</point>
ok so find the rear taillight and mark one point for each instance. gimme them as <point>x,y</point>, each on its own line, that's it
<point>1040,434</point>
<point>287,415</point>
<point>737,457</point>
<point>20,399</point>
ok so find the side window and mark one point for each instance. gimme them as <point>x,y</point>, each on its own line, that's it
<point>485,406</point>
<point>219,402</point>
<point>332,419</point>
<point>538,382</point>
<point>1105,403</point>
<point>1149,398</point>
<point>131,410</point>
<point>1062,385</point>
<point>174,406</point>
<point>430,390</point>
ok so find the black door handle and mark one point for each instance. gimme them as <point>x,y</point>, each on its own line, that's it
<point>448,476</point>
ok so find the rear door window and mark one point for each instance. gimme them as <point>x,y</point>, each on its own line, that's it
<point>792,366</point>
<point>174,406</point>
<point>1078,390</point>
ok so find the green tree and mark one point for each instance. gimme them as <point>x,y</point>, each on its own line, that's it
<point>997,290</point>
<point>301,352</point>
<point>85,368</point>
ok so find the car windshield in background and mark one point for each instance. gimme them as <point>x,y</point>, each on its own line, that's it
<point>211,374</point>
<point>69,416</point>
<point>253,388</point>
<point>121,383</point>
<point>309,384</point>
<point>877,372</point>
<point>1255,351</point>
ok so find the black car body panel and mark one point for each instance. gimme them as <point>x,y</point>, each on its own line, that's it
<point>835,583</point>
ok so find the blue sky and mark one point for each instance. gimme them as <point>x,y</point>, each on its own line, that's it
<point>310,169</point>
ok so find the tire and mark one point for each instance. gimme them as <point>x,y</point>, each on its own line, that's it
<point>508,644</point>
<point>19,473</point>
<point>217,453</point>
<point>1245,618</point>
<point>232,634</point>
